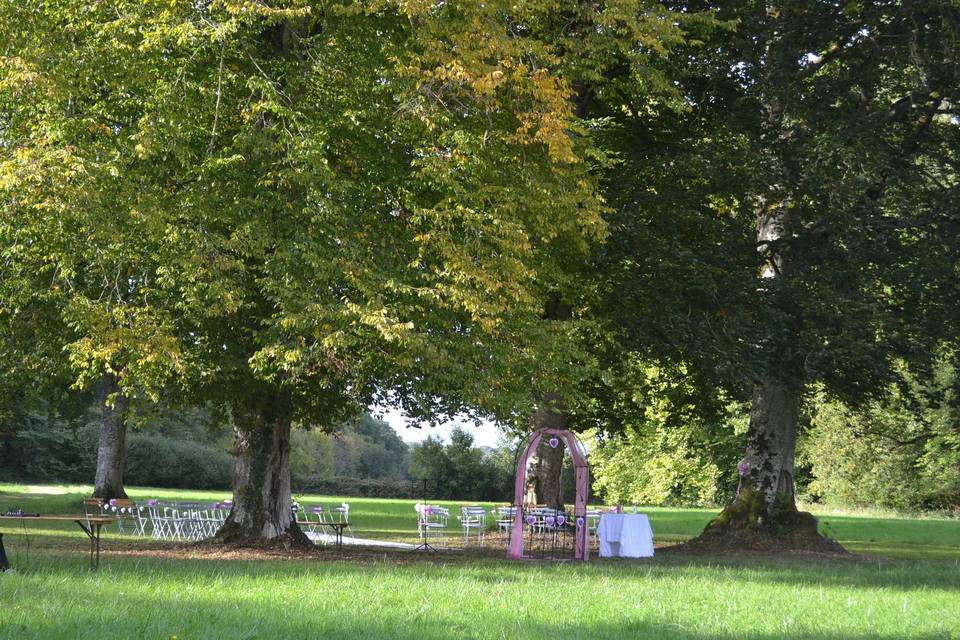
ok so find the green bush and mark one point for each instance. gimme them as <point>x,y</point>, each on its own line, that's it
<point>901,452</point>
<point>49,455</point>
<point>356,487</point>
<point>158,461</point>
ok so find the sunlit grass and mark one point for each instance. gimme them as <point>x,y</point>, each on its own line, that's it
<point>894,537</point>
<point>146,589</point>
<point>667,598</point>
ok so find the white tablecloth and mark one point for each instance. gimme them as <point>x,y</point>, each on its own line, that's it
<point>627,535</point>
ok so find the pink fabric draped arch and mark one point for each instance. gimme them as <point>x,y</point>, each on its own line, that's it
<point>581,550</point>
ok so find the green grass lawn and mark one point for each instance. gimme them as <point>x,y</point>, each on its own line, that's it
<point>910,589</point>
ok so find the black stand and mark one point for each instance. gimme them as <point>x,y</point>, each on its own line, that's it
<point>425,532</point>
<point>425,546</point>
<point>4,563</point>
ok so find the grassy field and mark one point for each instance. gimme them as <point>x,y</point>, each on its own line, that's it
<point>908,588</point>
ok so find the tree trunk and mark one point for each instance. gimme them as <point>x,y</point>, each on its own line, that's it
<point>763,516</point>
<point>262,513</point>
<point>546,465</point>
<point>108,482</point>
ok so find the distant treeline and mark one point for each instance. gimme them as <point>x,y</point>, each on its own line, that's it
<point>901,453</point>
<point>190,448</point>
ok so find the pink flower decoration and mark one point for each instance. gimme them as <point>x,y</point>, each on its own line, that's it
<point>743,467</point>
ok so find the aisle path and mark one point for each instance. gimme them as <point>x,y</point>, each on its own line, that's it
<point>326,538</point>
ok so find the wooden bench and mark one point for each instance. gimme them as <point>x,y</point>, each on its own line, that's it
<point>91,526</point>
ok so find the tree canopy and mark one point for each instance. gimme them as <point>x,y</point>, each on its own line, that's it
<point>292,208</point>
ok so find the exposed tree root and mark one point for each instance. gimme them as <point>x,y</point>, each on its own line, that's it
<point>233,535</point>
<point>743,527</point>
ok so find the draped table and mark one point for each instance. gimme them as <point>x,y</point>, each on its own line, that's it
<point>625,535</point>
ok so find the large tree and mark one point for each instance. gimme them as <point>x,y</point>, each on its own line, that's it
<point>309,204</point>
<point>796,229</point>
<point>611,55</point>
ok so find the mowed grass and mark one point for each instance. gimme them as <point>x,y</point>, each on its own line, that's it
<point>146,591</point>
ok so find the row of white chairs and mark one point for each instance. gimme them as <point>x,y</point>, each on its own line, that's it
<point>432,521</point>
<point>196,521</point>
<point>542,519</point>
<point>182,521</point>
<point>163,520</point>
<point>317,516</point>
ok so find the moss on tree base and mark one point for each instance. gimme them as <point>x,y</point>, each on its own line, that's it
<point>232,534</point>
<point>745,526</point>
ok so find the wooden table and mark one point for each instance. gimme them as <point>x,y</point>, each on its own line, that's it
<point>91,526</point>
<point>338,527</point>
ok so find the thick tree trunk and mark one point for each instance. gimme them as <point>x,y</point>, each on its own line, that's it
<point>108,481</point>
<point>767,467</point>
<point>262,513</point>
<point>763,516</point>
<point>546,465</point>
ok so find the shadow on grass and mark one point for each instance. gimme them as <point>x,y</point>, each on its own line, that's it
<point>230,616</point>
<point>329,564</point>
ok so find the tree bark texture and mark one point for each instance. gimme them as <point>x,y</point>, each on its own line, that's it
<point>763,516</point>
<point>108,481</point>
<point>546,465</point>
<point>262,513</point>
<point>767,467</point>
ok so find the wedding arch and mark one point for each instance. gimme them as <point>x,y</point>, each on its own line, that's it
<point>581,472</point>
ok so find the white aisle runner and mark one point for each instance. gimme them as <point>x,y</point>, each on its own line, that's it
<point>326,538</point>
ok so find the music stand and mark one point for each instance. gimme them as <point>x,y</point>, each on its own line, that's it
<point>425,545</point>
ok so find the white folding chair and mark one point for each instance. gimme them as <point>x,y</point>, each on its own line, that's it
<point>125,511</point>
<point>315,525</point>
<point>160,520</point>
<point>220,512</point>
<point>473,518</point>
<point>343,515</point>
<point>505,516</point>
<point>432,524</point>
<point>139,520</point>
<point>593,523</point>
<point>179,522</point>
